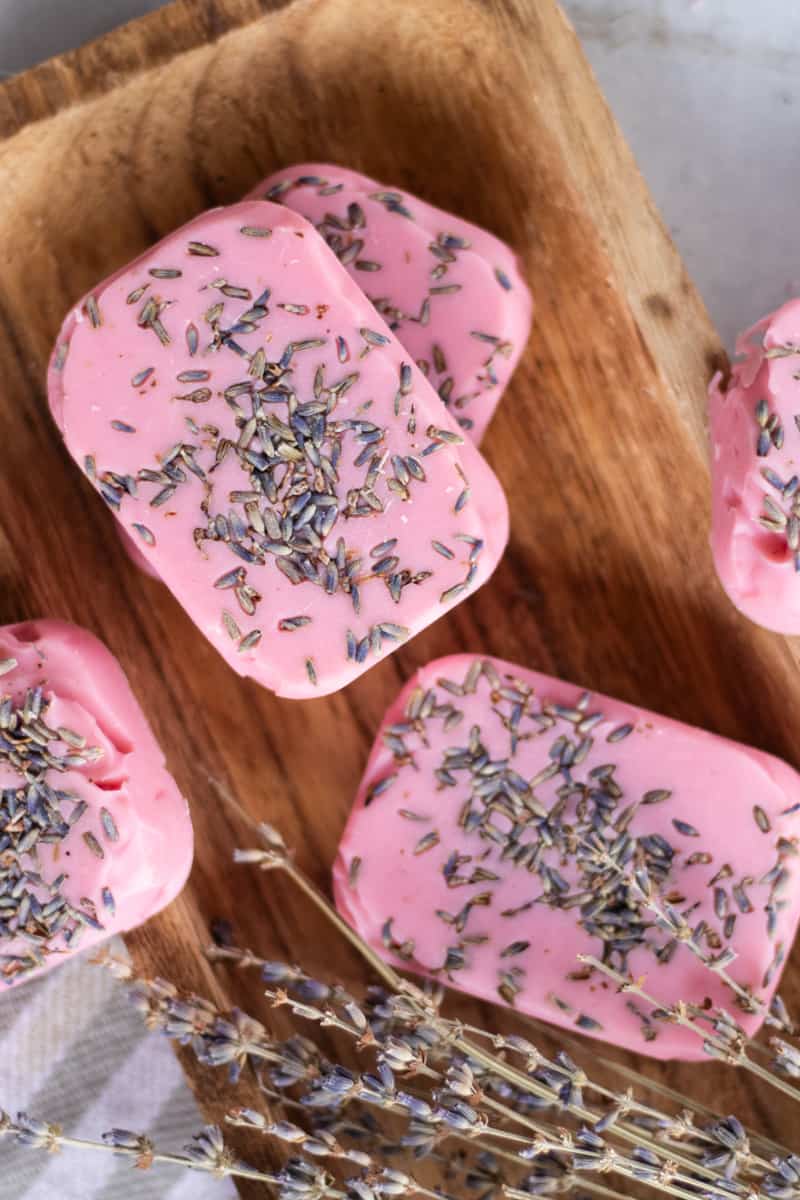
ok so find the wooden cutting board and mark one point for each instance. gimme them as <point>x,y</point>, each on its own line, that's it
<point>490,110</point>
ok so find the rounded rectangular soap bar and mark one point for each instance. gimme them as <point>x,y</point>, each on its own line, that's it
<point>451,291</point>
<point>495,833</point>
<point>94,834</point>
<point>755,467</point>
<point>280,462</point>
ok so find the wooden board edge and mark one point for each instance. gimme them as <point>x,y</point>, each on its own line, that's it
<point>663,300</point>
<point>101,65</point>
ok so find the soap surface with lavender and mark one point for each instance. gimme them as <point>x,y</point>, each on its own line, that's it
<point>94,834</point>
<point>755,466</point>
<point>269,445</point>
<point>451,291</point>
<point>508,823</point>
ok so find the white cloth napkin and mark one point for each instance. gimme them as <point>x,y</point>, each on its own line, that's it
<point>74,1051</point>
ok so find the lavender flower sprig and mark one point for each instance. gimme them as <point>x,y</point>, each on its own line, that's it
<point>206,1151</point>
<point>493,1109</point>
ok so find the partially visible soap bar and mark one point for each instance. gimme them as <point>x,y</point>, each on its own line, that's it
<point>451,291</point>
<point>755,464</point>
<point>282,465</point>
<point>94,834</point>
<point>498,824</point>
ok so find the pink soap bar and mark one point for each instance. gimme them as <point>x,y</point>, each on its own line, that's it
<point>451,291</point>
<point>755,436</point>
<point>284,468</point>
<point>478,850</point>
<point>94,834</point>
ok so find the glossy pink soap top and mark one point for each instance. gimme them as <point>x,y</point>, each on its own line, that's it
<point>755,465</point>
<point>94,835</point>
<point>282,465</point>
<point>496,828</point>
<point>451,291</point>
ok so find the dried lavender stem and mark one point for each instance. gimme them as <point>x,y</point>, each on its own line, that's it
<point>234,1170</point>
<point>389,976</point>
<point>395,981</point>
<point>489,1061</point>
<point>242,958</point>
<point>463,1045</point>
<point>623,1132</point>
<point>693,1108</point>
<point>621,1165</point>
<point>585,1185</point>
<point>541,1131</point>
<point>246,958</point>
<point>670,1168</point>
<point>544,1134</point>
<point>328,1020</point>
<point>685,939</point>
<point>661,1089</point>
<point>54,1139</point>
<point>516,1159</point>
<point>738,1058</point>
<point>336,1152</point>
<point>632,1103</point>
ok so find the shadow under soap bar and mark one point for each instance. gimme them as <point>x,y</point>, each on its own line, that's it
<point>497,828</point>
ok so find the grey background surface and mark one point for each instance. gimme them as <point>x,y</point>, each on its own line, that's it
<point>32,30</point>
<point>706,92</point>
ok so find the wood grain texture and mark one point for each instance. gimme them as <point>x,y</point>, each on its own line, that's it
<point>488,109</point>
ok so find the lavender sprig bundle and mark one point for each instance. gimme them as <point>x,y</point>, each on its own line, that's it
<point>504,1117</point>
